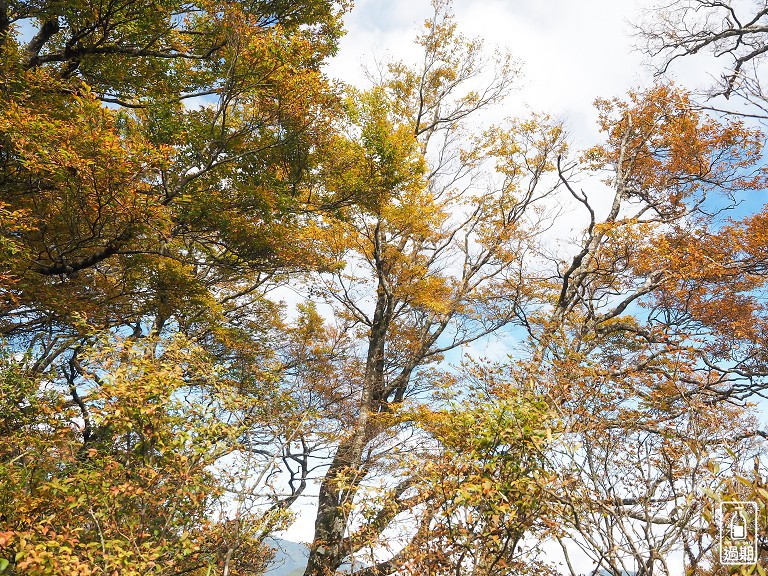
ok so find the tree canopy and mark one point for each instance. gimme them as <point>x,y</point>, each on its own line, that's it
<point>169,172</point>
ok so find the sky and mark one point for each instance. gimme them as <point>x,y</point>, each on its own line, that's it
<point>570,52</point>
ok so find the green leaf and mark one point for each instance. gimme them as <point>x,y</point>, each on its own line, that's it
<point>3,564</point>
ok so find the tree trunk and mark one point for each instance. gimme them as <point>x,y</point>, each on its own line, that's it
<point>347,470</point>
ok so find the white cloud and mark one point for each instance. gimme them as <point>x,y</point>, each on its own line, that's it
<point>572,52</point>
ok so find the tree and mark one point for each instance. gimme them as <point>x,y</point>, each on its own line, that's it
<point>724,267</point>
<point>156,173</point>
<point>733,32</point>
<point>640,348</point>
<point>430,262</point>
<point>122,479</point>
<point>485,489</point>
<point>445,273</point>
<point>150,211</point>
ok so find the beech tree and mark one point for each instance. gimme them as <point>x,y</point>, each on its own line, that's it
<point>430,262</point>
<point>152,209</point>
<point>733,33</point>
<point>724,265</point>
<point>155,168</point>
<point>645,367</point>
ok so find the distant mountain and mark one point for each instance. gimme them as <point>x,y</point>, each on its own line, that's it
<point>290,558</point>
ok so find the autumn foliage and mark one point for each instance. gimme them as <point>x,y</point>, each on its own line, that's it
<point>170,177</point>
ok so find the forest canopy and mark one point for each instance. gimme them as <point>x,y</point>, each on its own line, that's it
<point>171,172</point>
